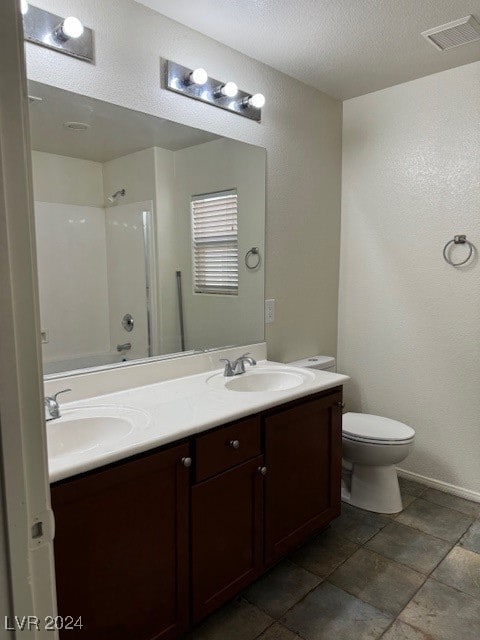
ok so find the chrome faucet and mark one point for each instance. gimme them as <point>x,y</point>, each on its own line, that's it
<point>236,367</point>
<point>52,408</point>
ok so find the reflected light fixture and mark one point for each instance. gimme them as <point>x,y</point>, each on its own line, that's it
<point>197,84</point>
<point>64,35</point>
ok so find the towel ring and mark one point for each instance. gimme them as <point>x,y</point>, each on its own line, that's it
<point>460,239</point>
<point>254,251</point>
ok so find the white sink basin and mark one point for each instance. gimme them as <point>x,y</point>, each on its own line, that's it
<point>264,379</point>
<point>86,428</point>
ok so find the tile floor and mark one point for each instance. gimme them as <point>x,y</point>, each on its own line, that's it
<point>413,576</point>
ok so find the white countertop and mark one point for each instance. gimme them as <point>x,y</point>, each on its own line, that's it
<point>178,408</point>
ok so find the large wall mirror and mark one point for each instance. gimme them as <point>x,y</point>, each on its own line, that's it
<point>150,234</point>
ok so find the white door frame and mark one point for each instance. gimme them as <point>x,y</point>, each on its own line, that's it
<point>24,489</point>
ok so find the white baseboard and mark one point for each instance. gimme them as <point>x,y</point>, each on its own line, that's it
<point>441,486</point>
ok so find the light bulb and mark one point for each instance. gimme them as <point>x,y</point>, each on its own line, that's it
<point>71,27</point>
<point>198,76</point>
<point>257,100</point>
<point>229,89</point>
<point>23,7</point>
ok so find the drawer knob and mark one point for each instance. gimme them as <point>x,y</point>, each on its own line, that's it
<point>187,462</point>
<point>262,470</point>
<point>235,444</point>
<point>341,405</point>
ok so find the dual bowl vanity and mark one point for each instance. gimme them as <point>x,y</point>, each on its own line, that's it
<point>171,498</point>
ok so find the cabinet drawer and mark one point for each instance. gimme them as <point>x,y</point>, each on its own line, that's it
<point>218,451</point>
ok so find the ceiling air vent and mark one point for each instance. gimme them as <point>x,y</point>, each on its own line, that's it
<point>454,34</point>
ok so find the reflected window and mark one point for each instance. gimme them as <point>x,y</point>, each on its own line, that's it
<point>215,242</point>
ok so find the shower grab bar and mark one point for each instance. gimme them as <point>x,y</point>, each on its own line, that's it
<point>180,309</point>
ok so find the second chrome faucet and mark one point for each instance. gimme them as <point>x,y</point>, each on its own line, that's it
<point>236,367</point>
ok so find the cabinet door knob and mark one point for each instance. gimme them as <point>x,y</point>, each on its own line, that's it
<point>187,462</point>
<point>262,470</point>
<point>341,405</point>
<point>235,444</point>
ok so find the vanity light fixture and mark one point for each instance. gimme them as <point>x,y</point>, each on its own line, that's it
<point>196,84</point>
<point>66,35</point>
<point>71,27</point>
<point>198,76</point>
<point>256,101</point>
<point>229,89</point>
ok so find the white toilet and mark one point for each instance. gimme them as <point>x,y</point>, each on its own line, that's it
<point>372,446</point>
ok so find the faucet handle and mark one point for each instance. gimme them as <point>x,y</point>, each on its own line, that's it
<point>52,409</point>
<point>54,397</point>
<point>228,371</point>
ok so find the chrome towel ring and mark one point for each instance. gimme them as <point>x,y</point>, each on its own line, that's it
<point>254,251</point>
<point>460,239</point>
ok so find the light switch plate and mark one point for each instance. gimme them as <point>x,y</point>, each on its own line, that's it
<point>269,311</point>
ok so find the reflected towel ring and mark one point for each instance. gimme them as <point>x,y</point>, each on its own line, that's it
<point>460,239</point>
<point>254,251</point>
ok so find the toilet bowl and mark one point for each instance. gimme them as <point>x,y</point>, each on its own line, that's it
<point>372,446</point>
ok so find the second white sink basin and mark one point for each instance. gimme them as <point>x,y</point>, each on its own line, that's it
<point>264,379</point>
<point>86,428</point>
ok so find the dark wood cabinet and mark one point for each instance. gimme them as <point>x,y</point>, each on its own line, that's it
<point>224,448</point>
<point>121,549</point>
<point>227,535</point>
<point>146,547</point>
<point>303,447</point>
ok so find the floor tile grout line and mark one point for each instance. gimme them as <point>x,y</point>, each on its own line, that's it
<point>409,526</point>
<point>325,579</point>
<point>445,584</point>
<point>274,622</point>
<point>453,545</point>
<point>469,515</point>
<point>321,578</point>
<point>426,576</point>
<point>429,576</point>
<point>430,534</point>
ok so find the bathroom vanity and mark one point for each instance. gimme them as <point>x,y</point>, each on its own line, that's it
<point>147,546</point>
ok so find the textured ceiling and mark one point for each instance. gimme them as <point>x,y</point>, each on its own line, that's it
<point>113,131</point>
<point>345,48</point>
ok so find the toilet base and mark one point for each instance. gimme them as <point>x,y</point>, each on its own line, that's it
<point>373,488</point>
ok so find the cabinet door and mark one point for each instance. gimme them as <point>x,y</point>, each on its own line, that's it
<point>227,535</point>
<point>303,449</point>
<point>121,549</point>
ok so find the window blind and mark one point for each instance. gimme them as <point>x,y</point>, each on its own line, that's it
<point>215,243</point>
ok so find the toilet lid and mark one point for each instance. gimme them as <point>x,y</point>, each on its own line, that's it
<point>369,428</point>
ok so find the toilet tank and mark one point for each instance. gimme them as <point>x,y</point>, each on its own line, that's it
<point>326,363</point>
